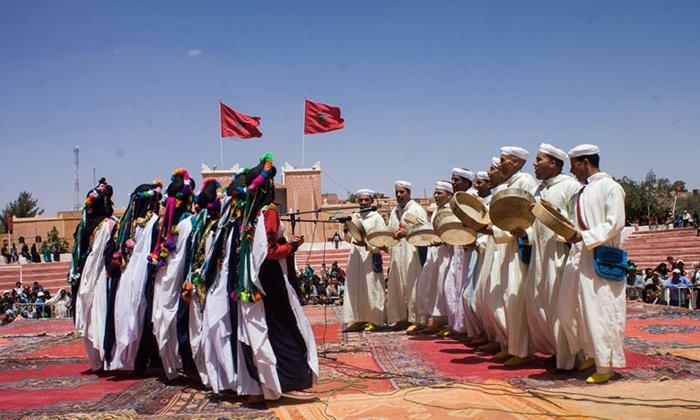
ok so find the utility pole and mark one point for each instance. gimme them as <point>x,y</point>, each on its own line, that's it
<point>76,182</point>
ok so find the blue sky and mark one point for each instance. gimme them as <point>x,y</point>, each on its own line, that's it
<point>423,87</point>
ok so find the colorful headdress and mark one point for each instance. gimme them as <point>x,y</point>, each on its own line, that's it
<point>179,194</point>
<point>209,196</point>
<point>143,199</point>
<point>99,200</point>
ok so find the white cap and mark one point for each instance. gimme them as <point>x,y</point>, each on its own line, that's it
<point>518,152</point>
<point>482,175</point>
<point>40,294</point>
<point>6,291</point>
<point>550,150</point>
<point>403,184</point>
<point>676,270</point>
<point>584,150</point>
<point>444,185</point>
<point>364,191</point>
<point>495,161</point>
<point>464,173</point>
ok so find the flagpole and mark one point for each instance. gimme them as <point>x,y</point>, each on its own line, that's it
<point>303,133</point>
<point>221,139</point>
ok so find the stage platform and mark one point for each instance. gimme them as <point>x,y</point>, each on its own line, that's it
<point>44,374</point>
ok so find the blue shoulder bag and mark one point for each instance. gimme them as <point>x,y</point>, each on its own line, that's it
<point>610,263</point>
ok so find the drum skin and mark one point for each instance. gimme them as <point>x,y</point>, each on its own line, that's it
<point>511,208</point>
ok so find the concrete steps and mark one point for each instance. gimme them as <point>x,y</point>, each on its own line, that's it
<point>649,248</point>
<point>317,257</point>
<point>50,275</point>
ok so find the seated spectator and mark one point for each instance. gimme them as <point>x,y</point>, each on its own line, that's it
<point>60,304</point>
<point>332,291</point>
<point>678,286</point>
<point>25,253</point>
<point>308,272</point>
<point>635,283</point>
<point>313,293</point>
<point>653,292</point>
<point>647,274</point>
<point>680,264</point>
<point>13,253</point>
<point>6,254</point>
<point>324,272</point>
<point>37,287</point>
<point>6,318</point>
<point>36,258</point>
<point>7,302</point>
<point>663,270</point>
<point>18,288</point>
<point>42,310</point>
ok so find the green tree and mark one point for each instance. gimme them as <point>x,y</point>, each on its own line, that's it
<point>635,199</point>
<point>24,206</point>
<point>54,241</point>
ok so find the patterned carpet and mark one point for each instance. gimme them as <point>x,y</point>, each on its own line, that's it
<point>45,374</point>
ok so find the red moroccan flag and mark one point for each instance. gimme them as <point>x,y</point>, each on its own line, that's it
<point>321,118</point>
<point>235,124</point>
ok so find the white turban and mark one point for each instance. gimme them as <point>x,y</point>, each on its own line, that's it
<point>464,173</point>
<point>444,185</point>
<point>495,161</point>
<point>483,175</point>
<point>518,152</point>
<point>584,150</point>
<point>364,191</point>
<point>403,184</point>
<point>550,150</point>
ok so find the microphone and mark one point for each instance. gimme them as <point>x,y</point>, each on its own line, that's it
<point>364,210</point>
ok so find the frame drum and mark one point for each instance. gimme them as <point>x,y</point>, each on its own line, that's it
<point>421,235</point>
<point>549,215</point>
<point>512,208</point>
<point>381,236</point>
<point>450,229</point>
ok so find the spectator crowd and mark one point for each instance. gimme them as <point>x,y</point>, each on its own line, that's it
<point>669,283</point>
<point>33,302</point>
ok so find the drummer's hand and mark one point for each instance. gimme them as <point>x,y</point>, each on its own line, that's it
<point>576,238</point>
<point>435,243</point>
<point>384,249</point>
<point>400,233</point>
<point>487,230</point>
<point>297,240</point>
<point>471,247</point>
<point>518,232</point>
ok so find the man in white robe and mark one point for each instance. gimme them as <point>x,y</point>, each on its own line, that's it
<point>549,253</point>
<point>592,309</point>
<point>455,280</point>
<point>430,300</point>
<point>364,304</point>
<point>487,295</point>
<point>472,287</point>
<point>511,323</point>
<point>405,261</point>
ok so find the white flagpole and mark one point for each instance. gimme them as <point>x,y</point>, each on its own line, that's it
<point>221,139</point>
<point>303,134</point>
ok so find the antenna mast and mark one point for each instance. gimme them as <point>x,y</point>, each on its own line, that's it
<point>76,184</point>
